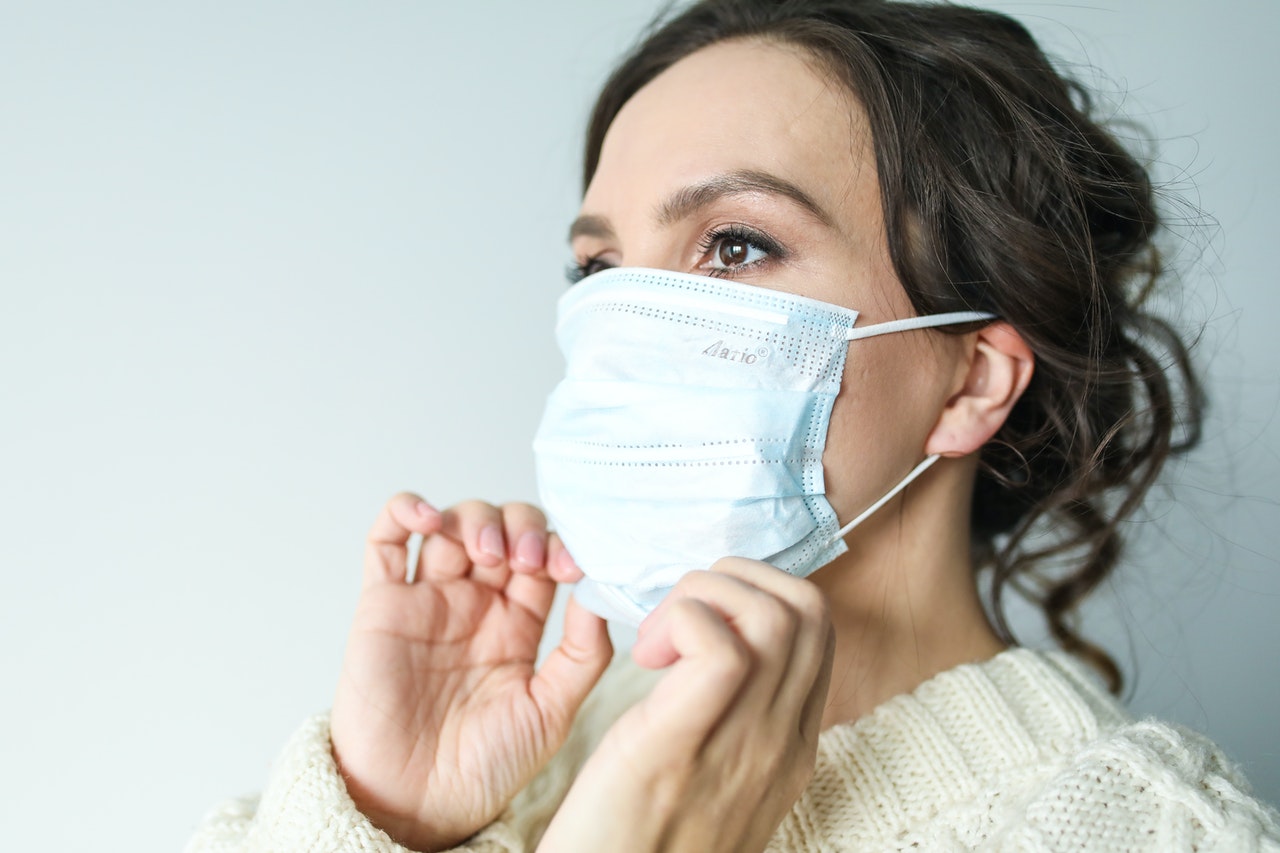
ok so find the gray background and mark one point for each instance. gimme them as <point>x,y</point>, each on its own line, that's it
<point>263,264</point>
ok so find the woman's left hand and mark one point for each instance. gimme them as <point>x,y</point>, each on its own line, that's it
<point>717,754</point>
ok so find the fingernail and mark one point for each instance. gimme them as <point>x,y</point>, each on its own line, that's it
<point>491,542</point>
<point>530,551</point>
<point>425,509</point>
<point>567,563</point>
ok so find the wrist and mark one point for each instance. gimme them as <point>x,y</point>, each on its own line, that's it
<point>408,832</point>
<point>618,812</point>
<point>403,826</point>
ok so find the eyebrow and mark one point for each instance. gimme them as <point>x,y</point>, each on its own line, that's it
<point>688,200</point>
<point>591,225</point>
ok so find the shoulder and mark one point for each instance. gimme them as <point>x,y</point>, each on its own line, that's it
<point>1146,785</point>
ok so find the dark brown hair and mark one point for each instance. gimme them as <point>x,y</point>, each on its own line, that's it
<point>1001,193</point>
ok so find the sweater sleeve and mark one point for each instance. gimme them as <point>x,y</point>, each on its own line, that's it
<point>305,805</point>
<point>1149,786</point>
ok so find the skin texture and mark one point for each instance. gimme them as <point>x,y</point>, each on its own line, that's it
<point>440,718</point>
<point>901,605</point>
<point>903,599</point>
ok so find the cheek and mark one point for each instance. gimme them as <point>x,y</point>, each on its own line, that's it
<point>888,402</point>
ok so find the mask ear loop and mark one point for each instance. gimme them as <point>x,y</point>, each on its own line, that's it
<point>927,321</point>
<point>902,484</point>
<point>904,325</point>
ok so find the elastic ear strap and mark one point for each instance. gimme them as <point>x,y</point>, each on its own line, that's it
<point>915,472</point>
<point>925,322</point>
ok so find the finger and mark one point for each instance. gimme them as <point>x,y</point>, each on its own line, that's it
<point>813,621</point>
<point>525,529</point>
<point>441,559</point>
<point>533,593</point>
<point>386,550</point>
<point>764,621</point>
<point>560,565</point>
<point>713,664</point>
<point>567,675</point>
<point>768,578</point>
<point>478,526</point>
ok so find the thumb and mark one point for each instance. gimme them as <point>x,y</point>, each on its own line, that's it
<point>567,675</point>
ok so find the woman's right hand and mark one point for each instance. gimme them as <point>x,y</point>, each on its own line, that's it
<point>440,717</point>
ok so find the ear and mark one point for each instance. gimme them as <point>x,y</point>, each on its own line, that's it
<point>1000,365</point>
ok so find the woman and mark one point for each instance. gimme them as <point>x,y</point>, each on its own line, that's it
<point>846,165</point>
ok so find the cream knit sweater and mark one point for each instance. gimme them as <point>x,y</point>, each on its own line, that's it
<point>1023,752</point>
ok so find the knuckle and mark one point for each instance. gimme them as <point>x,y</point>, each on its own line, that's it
<point>688,608</point>
<point>811,603</point>
<point>728,654</point>
<point>525,513</point>
<point>734,660</point>
<point>474,508</point>
<point>726,565</point>
<point>695,579</point>
<point>401,498</point>
<point>774,618</point>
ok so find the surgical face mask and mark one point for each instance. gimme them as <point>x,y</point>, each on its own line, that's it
<point>690,426</point>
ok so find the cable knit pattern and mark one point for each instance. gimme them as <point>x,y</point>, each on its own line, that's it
<point>1023,752</point>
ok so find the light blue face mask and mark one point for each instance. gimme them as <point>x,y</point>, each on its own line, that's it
<point>690,426</point>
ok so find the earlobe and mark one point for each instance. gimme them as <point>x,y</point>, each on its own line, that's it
<point>999,368</point>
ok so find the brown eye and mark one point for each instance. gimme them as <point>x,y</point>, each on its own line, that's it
<point>733,252</point>
<point>728,250</point>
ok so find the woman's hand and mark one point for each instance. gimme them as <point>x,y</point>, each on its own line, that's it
<point>717,754</point>
<point>440,717</point>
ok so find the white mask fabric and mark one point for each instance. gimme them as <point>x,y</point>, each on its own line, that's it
<point>690,426</point>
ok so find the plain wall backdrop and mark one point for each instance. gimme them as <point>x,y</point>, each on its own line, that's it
<point>264,264</point>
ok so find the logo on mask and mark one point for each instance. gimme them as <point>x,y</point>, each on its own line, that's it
<point>741,356</point>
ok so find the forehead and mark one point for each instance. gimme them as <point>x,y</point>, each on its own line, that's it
<point>739,105</point>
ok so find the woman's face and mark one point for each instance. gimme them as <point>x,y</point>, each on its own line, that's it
<point>744,160</point>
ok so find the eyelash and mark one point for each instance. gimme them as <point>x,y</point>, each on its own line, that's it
<point>576,272</point>
<point>741,234</point>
